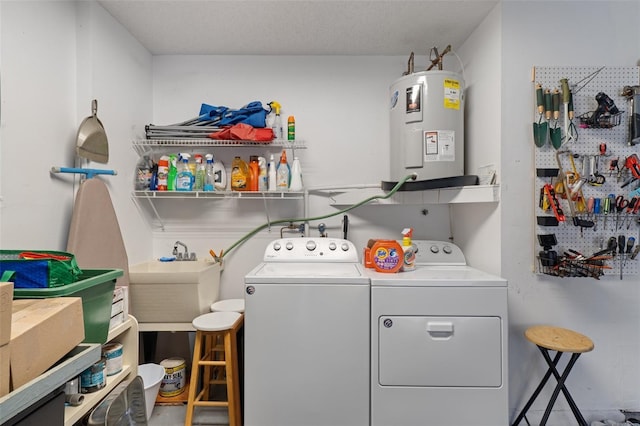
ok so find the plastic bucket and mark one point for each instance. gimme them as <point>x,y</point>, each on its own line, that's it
<point>152,375</point>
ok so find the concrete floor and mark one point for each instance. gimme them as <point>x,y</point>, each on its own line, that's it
<point>173,415</point>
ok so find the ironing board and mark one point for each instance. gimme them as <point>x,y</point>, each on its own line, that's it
<point>94,233</point>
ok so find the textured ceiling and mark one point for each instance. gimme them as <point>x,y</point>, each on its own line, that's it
<point>298,27</point>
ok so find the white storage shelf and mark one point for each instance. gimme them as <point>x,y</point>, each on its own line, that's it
<point>454,195</point>
<point>126,334</point>
<point>200,142</point>
<point>164,146</point>
<point>251,195</point>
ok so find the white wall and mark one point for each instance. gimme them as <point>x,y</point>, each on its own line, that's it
<point>52,67</point>
<point>341,109</point>
<point>477,227</point>
<point>116,70</point>
<point>562,33</point>
<point>38,122</point>
<point>56,57</point>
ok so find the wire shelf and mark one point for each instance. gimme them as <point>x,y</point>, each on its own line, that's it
<point>604,121</point>
<point>565,267</point>
<point>251,195</point>
<point>206,142</point>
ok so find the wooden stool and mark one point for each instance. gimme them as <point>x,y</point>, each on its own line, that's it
<point>228,305</point>
<point>560,340</point>
<point>209,328</point>
<point>235,305</point>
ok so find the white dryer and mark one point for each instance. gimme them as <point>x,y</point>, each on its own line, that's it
<point>307,336</point>
<point>438,343</point>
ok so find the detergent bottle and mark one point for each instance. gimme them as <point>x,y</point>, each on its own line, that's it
<point>184,179</point>
<point>220,174</point>
<point>163,172</point>
<point>198,184</point>
<point>276,124</point>
<point>409,249</point>
<point>209,175</point>
<point>173,172</point>
<point>239,175</point>
<point>262,181</point>
<point>283,173</point>
<point>272,175</point>
<point>296,175</point>
<point>254,173</point>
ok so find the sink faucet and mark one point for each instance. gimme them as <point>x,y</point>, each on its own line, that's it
<point>186,255</point>
<point>179,255</point>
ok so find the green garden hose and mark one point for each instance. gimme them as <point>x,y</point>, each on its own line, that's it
<point>395,189</point>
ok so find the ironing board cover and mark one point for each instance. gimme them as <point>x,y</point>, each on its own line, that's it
<point>94,233</point>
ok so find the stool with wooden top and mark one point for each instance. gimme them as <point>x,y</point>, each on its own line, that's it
<point>561,340</point>
<point>218,362</point>
<point>234,305</point>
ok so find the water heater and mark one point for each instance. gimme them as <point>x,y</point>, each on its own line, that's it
<point>427,126</point>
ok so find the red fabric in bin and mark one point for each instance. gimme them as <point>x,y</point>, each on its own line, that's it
<point>243,132</point>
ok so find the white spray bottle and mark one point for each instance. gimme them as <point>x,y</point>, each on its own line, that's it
<point>209,176</point>
<point>296,175</point>
<point>276,125</point>
<point>272,177</point>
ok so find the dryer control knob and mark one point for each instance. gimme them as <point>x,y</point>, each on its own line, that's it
<point>332,246</point>
<point>344,247</point>
<point>311,245</point>
<point>447,249</point>
<point>289,245</point>
<point>277,246</point>
<point>434,249</point>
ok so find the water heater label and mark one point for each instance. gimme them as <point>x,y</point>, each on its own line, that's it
<point>439,145</point>
<point>451,94</point>
<point>413,100</point>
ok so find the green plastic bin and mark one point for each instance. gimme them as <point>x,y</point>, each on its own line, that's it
<point>95,287</point>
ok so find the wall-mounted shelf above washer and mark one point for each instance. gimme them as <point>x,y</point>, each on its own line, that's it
<point>453,195</point>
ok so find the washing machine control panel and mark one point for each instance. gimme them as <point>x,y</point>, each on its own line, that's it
<point>311,250</point>
<point>438,253</point>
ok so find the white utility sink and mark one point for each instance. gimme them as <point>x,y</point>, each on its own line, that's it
<point>173,292</point>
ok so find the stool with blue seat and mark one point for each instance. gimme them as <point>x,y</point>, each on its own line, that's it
<point>561,340</point>
<point>215,362</point>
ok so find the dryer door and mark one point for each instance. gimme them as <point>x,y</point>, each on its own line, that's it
<point>439,351</point>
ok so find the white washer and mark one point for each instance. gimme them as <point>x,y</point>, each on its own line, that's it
<point>438,343</point>
<point>307,313</point>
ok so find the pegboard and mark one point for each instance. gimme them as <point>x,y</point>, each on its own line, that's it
<point>586,83</point>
